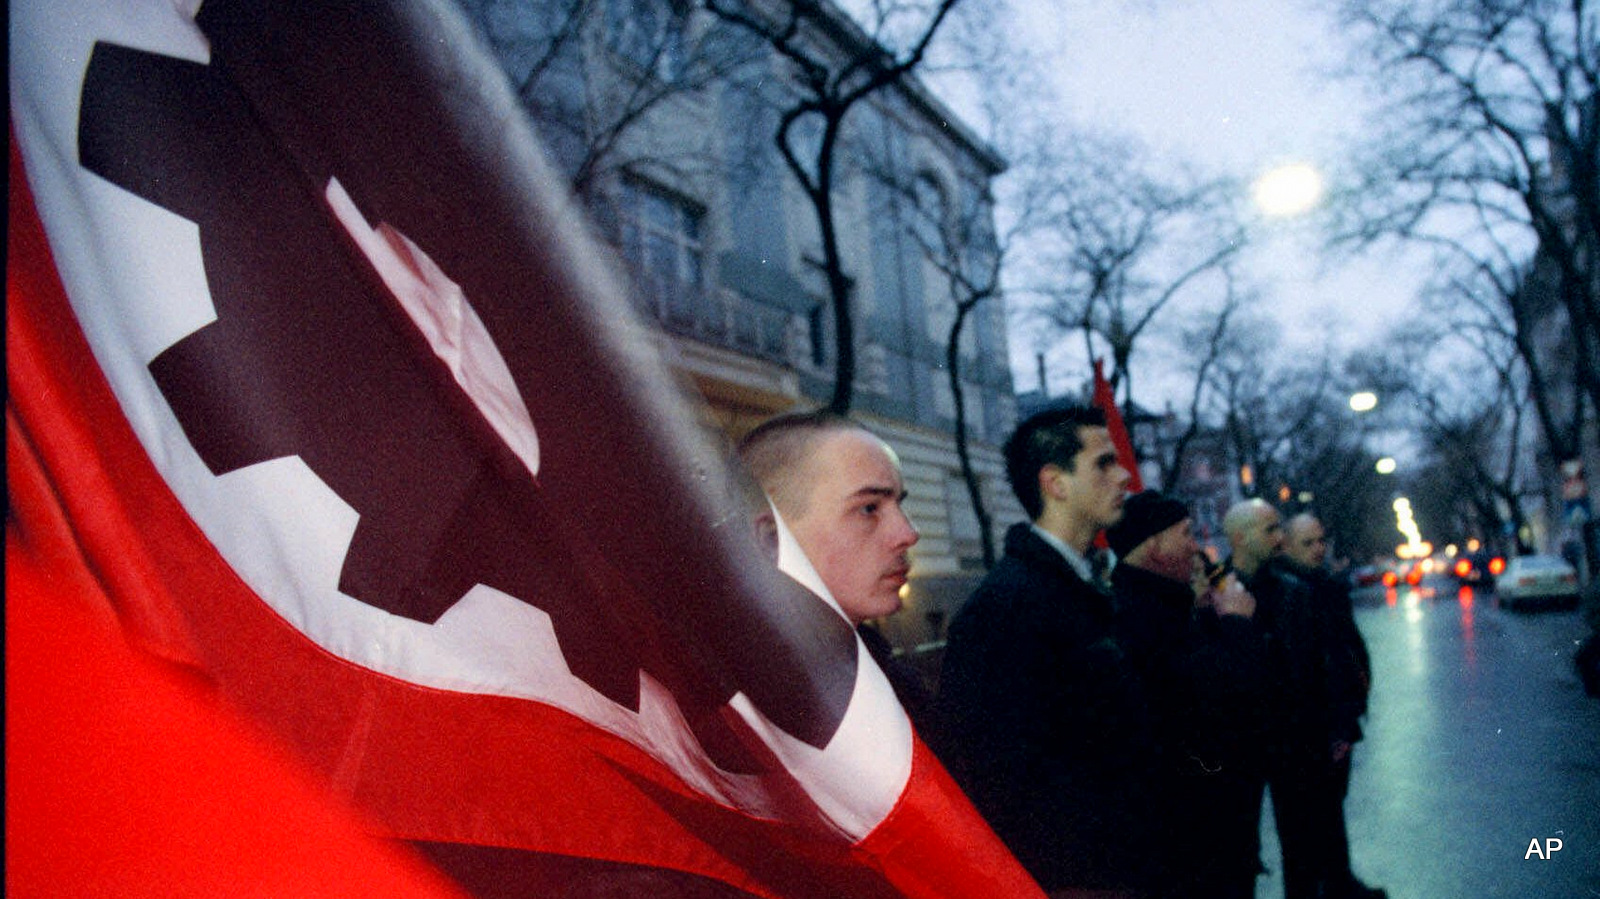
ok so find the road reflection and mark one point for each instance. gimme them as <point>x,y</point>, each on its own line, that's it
<point>1416,639</point>
<point>1479,739</point>
<point>1469,634</point>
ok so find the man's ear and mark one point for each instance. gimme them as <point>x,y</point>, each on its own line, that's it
<point>766,527</point>
<point>1047,480</point>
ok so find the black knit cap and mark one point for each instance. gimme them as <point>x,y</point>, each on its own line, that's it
<point>1144,515</point>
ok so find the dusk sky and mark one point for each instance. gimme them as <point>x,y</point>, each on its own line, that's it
<point>1236,88</point>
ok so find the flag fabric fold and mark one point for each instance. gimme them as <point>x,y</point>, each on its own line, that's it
<point>126,778</point>
<point>473,584</point>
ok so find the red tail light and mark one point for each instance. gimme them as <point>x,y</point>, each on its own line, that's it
<point>1463,568</point>
<point>1414,576</point>
<point>1497,565</point>
<point>1390,579</point>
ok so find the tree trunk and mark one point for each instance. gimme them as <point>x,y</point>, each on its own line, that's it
<point>952,360</point>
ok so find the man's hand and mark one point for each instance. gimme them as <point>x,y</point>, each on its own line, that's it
<point>1231,598</point>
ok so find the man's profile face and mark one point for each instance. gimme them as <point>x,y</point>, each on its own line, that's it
<point>851,524</point>
<point>1262,537</point>
<point>1306,543</point>
<point>1096,486</point>
<point>1173,552</point>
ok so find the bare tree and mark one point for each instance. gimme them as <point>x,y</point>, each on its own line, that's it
<point>1488,309</point>
<point>1477,450</point>
<point>834,66</point>
<point>954,229</point>
<point>1293,432</point>
<point>1124,244</point>
<point>1490,149</point>
<point>1214,340</point>
<point>1472,424</point>
<point>592,72</point>
<point>962,246</point>
<point>1268,411</point>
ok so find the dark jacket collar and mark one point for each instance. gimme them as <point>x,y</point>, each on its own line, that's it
<point>1029,548</point>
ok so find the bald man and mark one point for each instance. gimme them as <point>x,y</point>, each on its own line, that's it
<point>1299,735</point>
<point>1349,681</point>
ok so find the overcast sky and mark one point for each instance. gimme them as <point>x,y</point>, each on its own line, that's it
<point>1237,87</point>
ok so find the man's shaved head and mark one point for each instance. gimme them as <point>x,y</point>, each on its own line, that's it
<point>839,489</point>
<point>1255,531</point>
<point>1305,542</point>
<point>777,451</point>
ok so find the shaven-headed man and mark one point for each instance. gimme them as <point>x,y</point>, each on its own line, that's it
<point>839,490</point>
<point>1299,735</point>
<point>1349,679</point>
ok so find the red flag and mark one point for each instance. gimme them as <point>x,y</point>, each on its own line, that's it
<point>1105,402</point>
<point>125,778</point>
<point>325,396</point>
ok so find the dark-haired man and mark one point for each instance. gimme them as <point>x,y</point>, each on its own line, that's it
<point>1046,728</point>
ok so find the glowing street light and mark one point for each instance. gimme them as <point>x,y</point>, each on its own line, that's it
<point>1414,547</point>
<point>1288,189</point>
<point>1386,465</point>
<point>1363,401</point>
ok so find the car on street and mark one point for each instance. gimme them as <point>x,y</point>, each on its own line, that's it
<point>1477,569</point>
<point>1412,573</point>
<point>1367,576</point>
<point>1401,572</point>
<point>1540,578</point>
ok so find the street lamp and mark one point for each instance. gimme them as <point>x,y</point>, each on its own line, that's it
<point>1288,190</point>
<point>1363,401</point>
<point>1386,465</point>
<point>1414,547</point>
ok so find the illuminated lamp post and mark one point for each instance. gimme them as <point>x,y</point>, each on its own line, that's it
<point>1363,401</point>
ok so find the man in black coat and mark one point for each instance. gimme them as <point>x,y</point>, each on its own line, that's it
<point>1202,670</point>
<point>1299,734</point>
<point>1349,680</point>
<point>1046,729</point>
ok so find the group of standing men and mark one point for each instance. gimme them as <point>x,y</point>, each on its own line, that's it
<point>1117,733</point>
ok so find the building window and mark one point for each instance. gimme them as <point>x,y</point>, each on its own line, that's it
<point>932,215</point>
<point>650,34</point>
<point>661,239</point>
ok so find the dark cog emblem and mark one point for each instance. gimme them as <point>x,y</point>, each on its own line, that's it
<point>309,356</point>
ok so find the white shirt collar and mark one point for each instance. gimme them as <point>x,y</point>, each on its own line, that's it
<point>1074,558</point>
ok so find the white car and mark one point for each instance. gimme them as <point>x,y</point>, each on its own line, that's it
<point>1536,578</point>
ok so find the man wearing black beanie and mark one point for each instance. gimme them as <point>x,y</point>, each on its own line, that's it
<point>1201,670</point>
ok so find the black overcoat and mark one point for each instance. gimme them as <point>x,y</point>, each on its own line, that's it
<point>1045,725</point>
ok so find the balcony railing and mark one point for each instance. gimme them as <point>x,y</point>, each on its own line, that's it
<point>722,318</point>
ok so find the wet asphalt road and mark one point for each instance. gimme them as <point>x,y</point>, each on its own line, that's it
<point>1479,741</point>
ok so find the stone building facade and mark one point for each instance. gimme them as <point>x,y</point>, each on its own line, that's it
<point>665,117</point>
